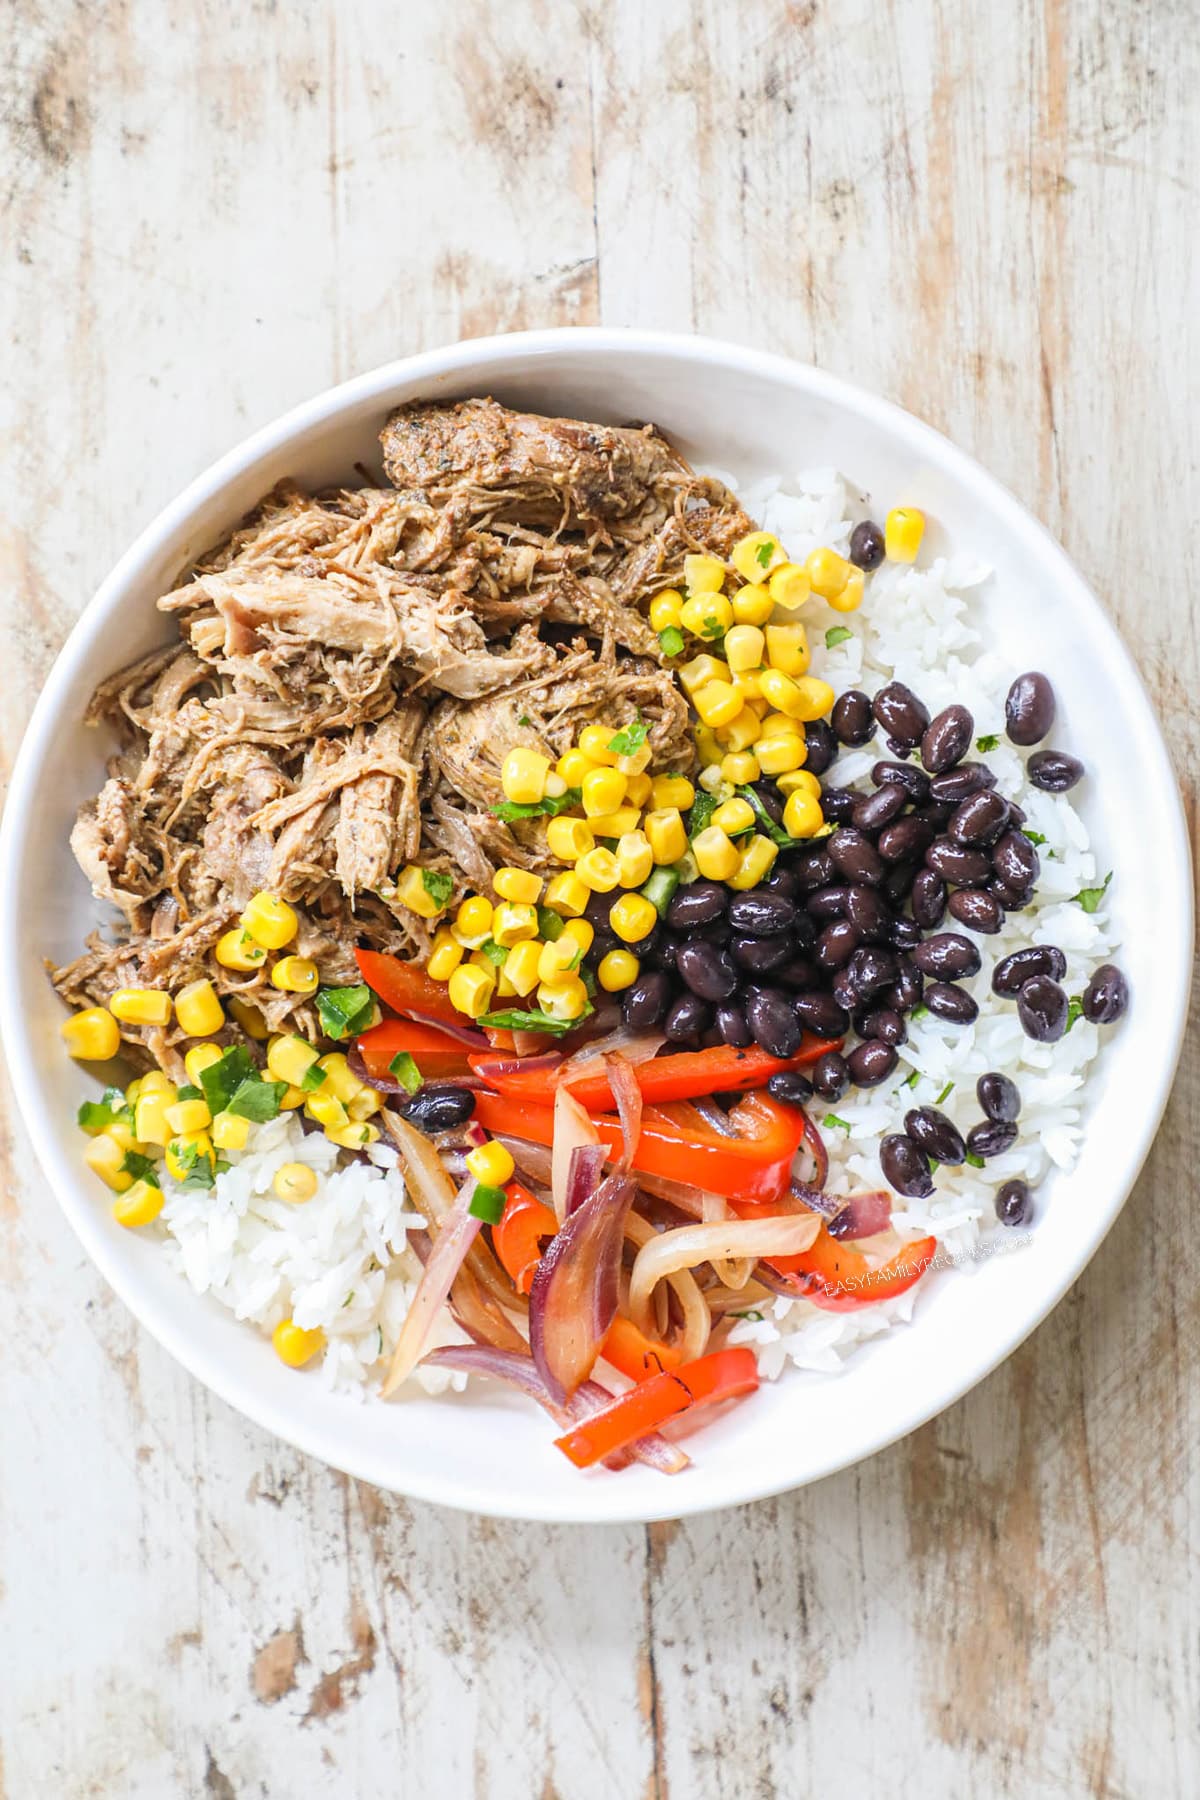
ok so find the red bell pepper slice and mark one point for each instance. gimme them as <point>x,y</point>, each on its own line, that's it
<point>722,1376</point>
<point>840,1279</point>
<point>517,1238</point>
<point>405,987</point>
<point>437,1056</point>
<point>719,1070</point>
<point>636,1355</point>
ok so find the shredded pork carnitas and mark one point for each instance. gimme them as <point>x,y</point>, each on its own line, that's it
<point>351,667</point>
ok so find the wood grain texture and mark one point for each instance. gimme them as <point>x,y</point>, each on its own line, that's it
<point>212,210</point>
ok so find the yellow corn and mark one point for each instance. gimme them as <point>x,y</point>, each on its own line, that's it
<point>569,839</point>
<point>789,586</point>
<point>701,670</point>
<point>491,1164</point>
<point>716,858</point>
<point>707,615</point>
<point>603,791</point>
<point>779,754</point>
<point>566,998</point>
<point>787,648</point>
<point>615,824</point>
<point>778,724</point>
<point>709,748</point>
<point>799,778</point>
<point>851,596</point>
<point>752,606</point>
<point>511,923</point>
<point>198,1011</point>
<point>594,741</point>
<point>520,968</point>
<point>703,574</point>
<point>296,1182</point>
<point>187,1116</point>
<point>295,975</point>
<point>91,1035</point>
<point>637,787</point>
<point>270,921</point>
<point>471,990</point>
<point>802,815</point>
<point>780,690</point>
<point>230,1131</point>
<point>718,702</point>
<point>635,858</point>
<point>743,647</point>
<point>903,530</point>
<point>671,790</point>
<point>741,732</point>
<point>556,787</point>
<point>250,1019</point>
<point>740,766</point>
<point>138,1205</point>
<point>141,1006</point>
<point>412,892</point>
<point>755,859</point>
<point>120,1134</point>
<point>340,1078</point>
<point>236,949</point>
<point>633,918</point>
<point>734,816</point>
<point>364,1103</point>
<point>598,870</point>
<point>473,922</point>
<point>106,1158</point>
<point>134,1089</point>
<point>523,775</point>
<point>567,894</point>
<point>815,699</point>
<point>199,1058</point>
<point>294,1346</point>
<point>665,834</point>
<point>521,885</point>
<point>555,959</point>
<point>755,555</point>
<point>712,780</point>
<point>289,1058</point>
<point>326,1108</point>
<point>179,1160</point>
<point>355,1134</point>
<point>292,1098</point>
<point>634,762</point>
<point>445,956</point>
<point>572,766</point>
<point>665,609</point>
<point>581,931</point>
<point>827,571</point>
<point>618,970</point>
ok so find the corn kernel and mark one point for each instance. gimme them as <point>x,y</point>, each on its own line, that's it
<point>520,968</point>
<point>701,670</point>
<point>712,780</point>
<point>779,754</point>
<point>556,787</point>
<point>755,860</point>
<point>802,815</point>
<point>594,741</point>
<point>155,1082</point>
<point>634,762</point>
<point>581,931</point>
<point>106,1158</point>
<point>364,1103</point>
<point>569,839</point>
<point>521,885</point>
<point>523,775</point>
<point>445,956</point>
<point>703,574</point>
<point>120,1134</point>
<point>603,791</point>
<point>781,691</point>
<point>295,975</point>
<point>789,586</point>
<point>740,766</point>
<point>412,892</point>
<point>92,1035</point>
<point>186,1116</point>
<point>615,824</point>
<point>635,858</point>
<point>289,1058</point>
<point>799,778</point>
<point>718,702</point>
<point>637,787</point>
<point>617,970</point>
<point>598,870</point>
<point>141,1006</point>
<point>707,615</point>
<point>709,747</point>
<point>755,555</point>
<point>471,990</point>
<point>752,606</point>
<point>326,1108</point>
<point>755,703</point>
<point>815,699</point>
<point>573,765</point>
<point>827,571</point>
<point>851,596</point>
<point>296,1182</point>
<point>665,834</point>
<point>236,949</point>
<point>138,1205</point>
<point>198,1011</point>
<point>186,1150</point>
<point>473,922</point>
<point>787,648</point>
<point>554,960</point>
<point>340,1078</point>
<point>778,724</point>
<point>270,921</point>
<point>294,1346</point>
<point>292,1098</point>
<point>665,609</point>
<point>355,1134</point>
<point>633,918</point>
<point>903,530</point>
<point>567,894</point>
<point>132,1092</point>
<point>744,647</point>
<point>716,858</point>
<point>511,923</point>
<point>734,816</point>
<point>491,1164</point>
<point>230,1131</point>
<point>667,791</point>
<point>566,998</point>
<point>743,731</point>
<point>199,1058</point>
<point>250,1019</point>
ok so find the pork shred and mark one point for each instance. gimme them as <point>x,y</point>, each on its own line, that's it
<point>346,672</point>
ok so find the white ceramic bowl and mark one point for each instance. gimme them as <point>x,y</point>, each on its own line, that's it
<point>490,1451</point>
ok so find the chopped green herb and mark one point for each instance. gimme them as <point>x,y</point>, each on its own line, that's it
<point>837,634</point>
<point>348,1299</point>
<point>713,628</point>
<point>753,1314</point>
<point>343,1011</point>
<point>629,741</point>
<point>921,1011</point>
<point>524,719</point>
<point>111,1109</point>
<point>831,1121</point>
<point>764,553</point>
<point>406,1072</point>
<point>257,1100</point>
<point>313,1078</point>
<point>497,953</point>
<point>1090,898</point>
<point>550,925</point>
<point>510,810</point>
<point>513,1020</point>
<point>948,1089</point>
<point>670,640</point>
<point>1074,1011</point>
<point>911,1079</point>
<point>700,814</point>
<point>221,1080</point>
<point>1035,837</point>
<point>589,982</point>
<point>766,823</point>
<point>379,1335</point>
<point>188,1092</point>
<point>976,1162</point>
<point>198,1171</point>
<point>989,742</point>
<point>438,885</point>
<point>934,1166</point>
<point>487,1203</point>
<point>141,1168</point>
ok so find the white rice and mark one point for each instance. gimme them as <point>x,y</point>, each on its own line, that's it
<point>341,1261</point>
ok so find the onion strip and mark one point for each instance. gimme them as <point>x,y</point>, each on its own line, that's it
<point>572,1129</point>
<point>668,1252</point>
<point>697,1321</point>
<point>432,1193</point>
<point>456,1234</point>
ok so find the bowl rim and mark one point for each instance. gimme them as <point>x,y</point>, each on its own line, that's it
<point>474,358</point>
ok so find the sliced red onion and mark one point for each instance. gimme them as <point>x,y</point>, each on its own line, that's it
<point>715,1117</point>
<point>622,1079</point>
<point>464,1034</point>
<point>572,1128</point>
<point>817,1200</point>
<point>635,1047</point>
<point>862,1215</point>
<point>535,1161</point>
<point>387,1084</point>
<point>584,1175</point>
<point>573,1300</point>
<point>456,1233</point>
<point>501,1064</point>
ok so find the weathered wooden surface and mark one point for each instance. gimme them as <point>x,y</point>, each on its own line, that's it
<point>987,212</point>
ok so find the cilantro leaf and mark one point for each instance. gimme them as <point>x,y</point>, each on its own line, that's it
<point>1090,898</point>
<point>1074,1011</point>
<point>832,1121</point>
<point>406,1072</point>
<point>141,1168</point>
<point>629,741</point>
<point>837,634</point>
<point>188,1092</point>
<point>111,1109</point>
<point>920,1012</point>
<point>764,553</point>
<point>712,628</point>
<point>549,808</point>
<point>438,885</point>
<point>221,1080</point>
<point>911,1079</point>
<point>976,1162</point>
<point>766,823</point>
<point>524,719</point>
<point>670,640</point>
<point>1035,837</point>
<point>948,1089</point>
<point>343,1011</point>
<point>702,809</point>
<point>496,953</point>
<point>987,743</point>
<point>257,1100</point>
<point>514,1020</point>
<point>197,1169</point>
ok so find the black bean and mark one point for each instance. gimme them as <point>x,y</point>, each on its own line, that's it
<point>964,867</point>
<point>707,970</point>
<point>438,1108</point>
<point>946,739</point>
<point>999,1097</point>
<point>771,798</point>
<point>905,839</point>
<point>844,989</point>
<point>598,908</point>
<point>830,1076</point>
<point>1029,709</point>
<point>979,819</point>
<point>1015,861</point>
<point>782,880</point>
<point>790,1086</point>
<point>1106,995</point>
<point>975,909</point>
<point>799,973</point>
<point>814,870</point>
<point>711,1039</point>
<point>851,717</point>
<point>928,899</point>
<point>1043,1007</point>
<point>904,1166</point>
<point>867,913</point>
<point>855,856</point>
<point>904,934</point>
<point>871,1062</point>
<point>645,1002</point>
<point>699,903</point>
<point>835,945</point>
<point>897,883</point>
<point>838,804</point>
<point>867,548</point>
<point>687,1019</point>
<point>1054,771</point>
<point>1014,1203</point>
<point>821,746</point>
<point>872,968</point>
<point>876,810</point>
<point>1011,899</point>
<point>759,955</point>
<point>1012,972</point>
<point>731,1023</point>
<point>992,1138</point>
<point>950,1002</point>
<point>947,955</point>
<point>955,784</point>
<point>1017,814</point>
<point>907,989</point>
<point>821,1014</point>
<point>761,915</point>
<point>937,1135</point>
<point>885,1023</point>
<point>901,714</point>
<point>661,956</point>
<point>914,781</point>
<point>936,814</point>
<point>773,1024</point>
<point>829,902</point>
